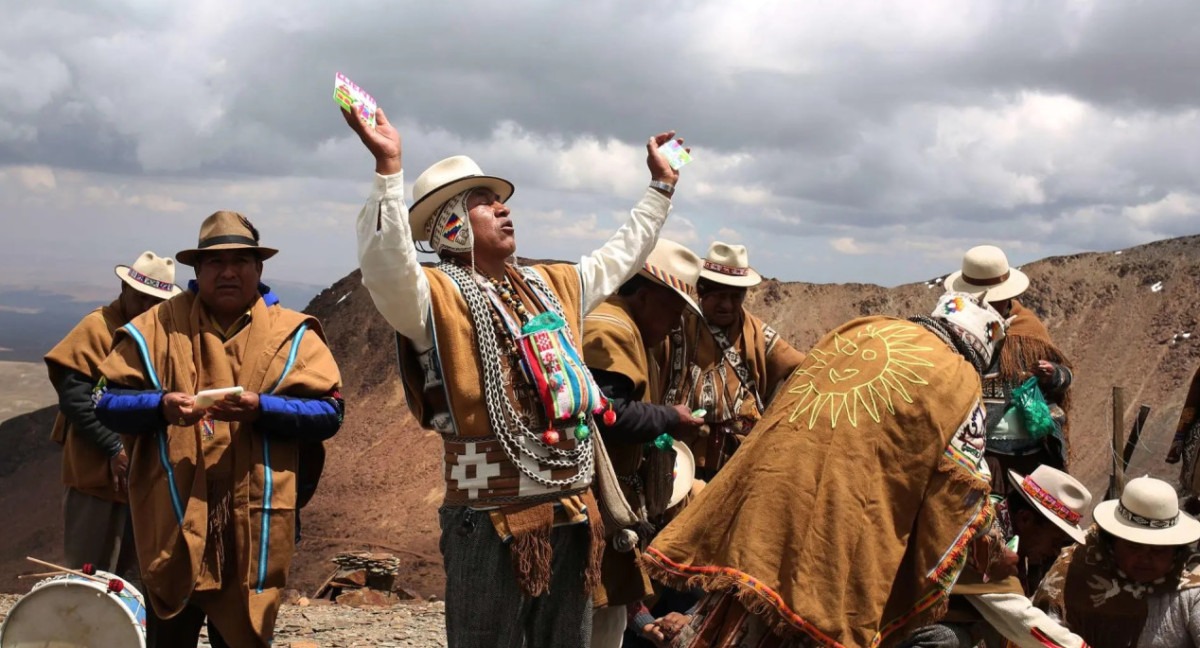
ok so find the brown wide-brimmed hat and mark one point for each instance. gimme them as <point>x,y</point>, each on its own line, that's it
<point>225,230</point>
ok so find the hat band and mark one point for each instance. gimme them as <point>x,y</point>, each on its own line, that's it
<point>1151,523</point>
<point>994,281</point>
<point>228,238</point>
<point>671,280</point>
<point>1043,497</point>
<point>725,270</point>
<point>150,281</point>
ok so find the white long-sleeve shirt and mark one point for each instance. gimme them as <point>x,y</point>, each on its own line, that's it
<point>1015,617</point>
<point>400,290</point>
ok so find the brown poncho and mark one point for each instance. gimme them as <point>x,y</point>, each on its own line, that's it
<point>612,342</point>
<point>846,516</point>
<point>85,467</point>
<point>704,379</point>
<point>176,465</point>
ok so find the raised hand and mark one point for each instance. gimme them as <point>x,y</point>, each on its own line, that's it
<point>383,141</point>
<point>660,169</point>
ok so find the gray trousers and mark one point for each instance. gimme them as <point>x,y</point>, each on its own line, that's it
<point>99,532</point>
<point>484,606</point>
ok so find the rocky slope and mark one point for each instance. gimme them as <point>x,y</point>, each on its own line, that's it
<point>382,481</point>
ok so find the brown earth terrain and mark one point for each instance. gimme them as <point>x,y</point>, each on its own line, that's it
<point>382,481</point>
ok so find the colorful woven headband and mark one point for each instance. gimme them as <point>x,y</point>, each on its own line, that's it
<point>150,281</point>
<point>1043,497</point>
<point>726,270</point>
<point>1150,523</point>
<point>671,280</point>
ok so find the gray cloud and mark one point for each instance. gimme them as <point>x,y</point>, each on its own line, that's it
<point>825,128</point>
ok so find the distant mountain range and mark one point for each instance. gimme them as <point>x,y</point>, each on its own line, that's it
<point>32,320</point>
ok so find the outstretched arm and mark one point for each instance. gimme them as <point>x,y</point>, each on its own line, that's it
<point>604,270</point>
<point>390,270</point>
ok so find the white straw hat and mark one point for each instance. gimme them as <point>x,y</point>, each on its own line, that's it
<point>1148,513</point>
<point>441,182</point>
<point>150,274</point>
<point>985,269</point>
<point>1056,495</point>
<point>729,264</point>
<point>675,266</point>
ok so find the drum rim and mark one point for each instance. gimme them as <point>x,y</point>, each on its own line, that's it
<point>91,584</point>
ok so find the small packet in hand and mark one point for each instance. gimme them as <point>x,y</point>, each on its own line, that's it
<point>676,155</point>
<point>354,99</point>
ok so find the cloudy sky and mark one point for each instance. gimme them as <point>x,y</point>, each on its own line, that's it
<point>841,141</point>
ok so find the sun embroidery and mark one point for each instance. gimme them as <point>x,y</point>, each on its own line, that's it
<point>863,373</point>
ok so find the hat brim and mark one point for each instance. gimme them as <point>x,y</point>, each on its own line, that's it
<point>1077,534</point>
<point>685,473</point>
<point>424,209</point>
<point>189,257</point>
<point>688,299</point>
<point>1014,286</point>
<point>751,278</point>
<point>122,272</point>
<point>1185,531</point>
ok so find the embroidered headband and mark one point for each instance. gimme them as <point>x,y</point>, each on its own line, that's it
<point>150,281</point>
<point>1043,497</point>
<point>1150,523</point>
<point>724,269</point>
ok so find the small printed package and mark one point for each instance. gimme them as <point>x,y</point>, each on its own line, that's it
<point>354,99</point>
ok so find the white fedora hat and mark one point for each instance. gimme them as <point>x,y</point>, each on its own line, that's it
<point>1057,495</point>
<point>150,274</point>
<point>685,473</point>
<point>443,181</point>
<point>729,264</point>
<point>1148,513</point>
<point>985,269</point>
<point>676,267</point>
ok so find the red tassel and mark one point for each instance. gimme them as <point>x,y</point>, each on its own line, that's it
<point>610,417</point>
<point>550,437</point>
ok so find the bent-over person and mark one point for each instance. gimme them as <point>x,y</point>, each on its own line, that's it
<point>214,491</point>
<point>849,513</point>
<point>95,464</point>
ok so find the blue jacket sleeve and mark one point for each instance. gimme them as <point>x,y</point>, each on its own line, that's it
<point>128,411</point>
<point>300,419</point>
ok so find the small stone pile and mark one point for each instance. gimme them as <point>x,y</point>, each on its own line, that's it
<point>362,578</point>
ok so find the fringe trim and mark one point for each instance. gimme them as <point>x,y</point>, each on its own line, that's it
<point>948,568</point>
<point>756,597</point>
<point>531,558</point>
<point>218,522</point>
<point>591,574</point>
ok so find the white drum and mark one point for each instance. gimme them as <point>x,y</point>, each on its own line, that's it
<point>70,611</point>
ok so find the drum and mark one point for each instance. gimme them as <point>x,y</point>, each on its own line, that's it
<point>69,611</point>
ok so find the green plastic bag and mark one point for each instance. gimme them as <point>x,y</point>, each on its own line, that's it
<point>1032,408</point>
